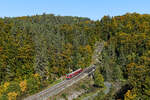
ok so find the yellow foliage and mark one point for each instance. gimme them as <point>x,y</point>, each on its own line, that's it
<point>87,22</point>
<point>129,66</point>
<point>12,96</point>
<point>85,49</point>
<point>148,51</point>
<point>36,75</point>
<point>1,91</point>
<point>6,84</point>
<point>123,34</point>
<point>105,44</point>
<point>23,85</point>
<point>4,87</point>
<point>88,48</point>
<point>129,95</point>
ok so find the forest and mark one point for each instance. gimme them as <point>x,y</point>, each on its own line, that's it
<point>37,50</point>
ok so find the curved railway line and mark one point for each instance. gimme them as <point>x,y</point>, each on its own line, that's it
<point>45,94</point>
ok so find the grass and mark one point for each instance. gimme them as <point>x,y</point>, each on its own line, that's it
<point>55,82</point>
<point>83,86</point>
<point>64,95</point>
<point>87,94</point>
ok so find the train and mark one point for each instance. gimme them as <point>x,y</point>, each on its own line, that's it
<point>70,75</point>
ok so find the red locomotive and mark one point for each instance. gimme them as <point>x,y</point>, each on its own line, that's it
<point>70,75</point>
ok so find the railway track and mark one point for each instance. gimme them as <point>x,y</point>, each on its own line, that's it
<point>45,94</point>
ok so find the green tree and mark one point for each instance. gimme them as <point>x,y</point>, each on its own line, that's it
<point>98,79</point>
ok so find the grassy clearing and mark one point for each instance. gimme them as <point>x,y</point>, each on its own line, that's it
<point>89,93</point>
<point>55,82</point>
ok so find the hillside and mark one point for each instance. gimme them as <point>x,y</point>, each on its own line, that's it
<point>37,50</point>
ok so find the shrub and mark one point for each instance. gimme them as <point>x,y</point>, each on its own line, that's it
<point>23,85</point>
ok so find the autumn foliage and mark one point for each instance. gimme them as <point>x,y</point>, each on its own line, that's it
<point>37,50</point>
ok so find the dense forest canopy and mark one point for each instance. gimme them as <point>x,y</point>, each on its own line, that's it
<point>39,49</point>
<point>126,53</point>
